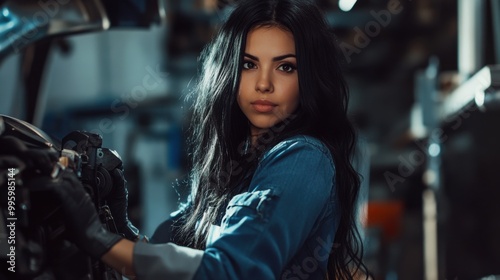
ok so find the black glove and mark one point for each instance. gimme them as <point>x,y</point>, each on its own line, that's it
<point>118,204</point>
<point>15,154</point>
<point>80,216</point>
<point>40,159</point>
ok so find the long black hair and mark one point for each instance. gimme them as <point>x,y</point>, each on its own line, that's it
<point>220,130</point>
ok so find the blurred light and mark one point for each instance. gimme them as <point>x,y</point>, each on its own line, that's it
<point>470,36</point>
<point>5,12</point>
<point>417,126</point>
<point>468,91</point>
<point>479,98</point>
<point>429,177</point>
<point>346,5</point>
<point>430,233</point>
<point>434,150</point>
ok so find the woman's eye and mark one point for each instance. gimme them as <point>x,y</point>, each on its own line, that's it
<point>248,65</point>
<point>288,68</point>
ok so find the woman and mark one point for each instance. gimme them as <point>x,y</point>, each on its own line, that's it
<point>273,190</point>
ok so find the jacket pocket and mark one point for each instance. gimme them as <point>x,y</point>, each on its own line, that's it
<point>252,208</point>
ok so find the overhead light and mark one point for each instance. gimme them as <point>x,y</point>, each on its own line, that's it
<point>346,5</point>
<point>434,150</point>
<point>5,12</point>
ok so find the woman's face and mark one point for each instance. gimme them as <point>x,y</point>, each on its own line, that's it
<point>269,86</point>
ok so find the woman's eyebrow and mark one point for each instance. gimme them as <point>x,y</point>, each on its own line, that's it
<point>278,58</point>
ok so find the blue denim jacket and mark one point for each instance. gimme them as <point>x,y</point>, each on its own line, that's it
<point>282,227</point>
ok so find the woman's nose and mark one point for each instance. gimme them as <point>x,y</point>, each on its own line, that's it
<point>264,83</point>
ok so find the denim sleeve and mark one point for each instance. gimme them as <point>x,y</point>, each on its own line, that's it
<point>265,227</point>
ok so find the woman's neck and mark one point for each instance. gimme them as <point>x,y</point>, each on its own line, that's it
<point>255,133</point>
<point>253,139</point>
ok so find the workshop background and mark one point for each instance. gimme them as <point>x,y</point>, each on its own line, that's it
<point>427,117</point>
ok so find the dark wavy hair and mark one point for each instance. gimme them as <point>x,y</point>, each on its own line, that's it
<point>219,128</point>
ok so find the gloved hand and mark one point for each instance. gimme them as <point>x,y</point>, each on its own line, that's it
<point>35,158</point>
<point>80,216</point>
<point>15,154</point>
<point>118,204</point>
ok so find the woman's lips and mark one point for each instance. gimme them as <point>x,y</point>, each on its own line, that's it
<point>263,106</point>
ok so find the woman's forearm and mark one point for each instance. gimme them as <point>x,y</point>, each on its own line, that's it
<point>120,257</point>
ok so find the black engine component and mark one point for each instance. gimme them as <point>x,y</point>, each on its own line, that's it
<point>32,233</point>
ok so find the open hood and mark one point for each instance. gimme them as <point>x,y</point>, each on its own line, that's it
<point>24,22</point>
